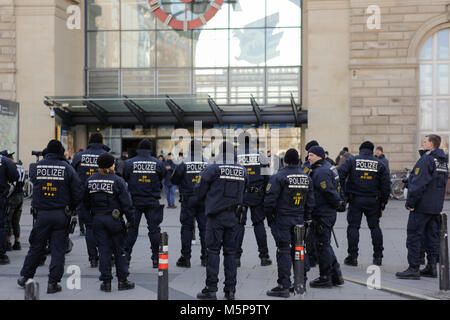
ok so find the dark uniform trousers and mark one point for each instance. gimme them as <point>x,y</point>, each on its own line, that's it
<point>257,216</point>
<point>50,225</point>
<point>110,236</point>
<point>221,232</point>
<point>328,265</point>
<point>154,217</point>
<point>370,207</point>
<point>86,218</point>
<point>422,229</point>
<point>284,236</point>
<point>3,228</point>
<point>15,212</point>
<point>190,210</point>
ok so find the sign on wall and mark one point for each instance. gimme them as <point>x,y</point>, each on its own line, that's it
<point>9,126</point>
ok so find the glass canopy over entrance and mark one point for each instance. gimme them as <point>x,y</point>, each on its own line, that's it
<point>179,110</point>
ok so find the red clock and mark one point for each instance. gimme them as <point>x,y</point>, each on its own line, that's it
<point>168,19</point>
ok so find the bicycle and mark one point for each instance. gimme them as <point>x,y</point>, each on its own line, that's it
<point>27,187</point>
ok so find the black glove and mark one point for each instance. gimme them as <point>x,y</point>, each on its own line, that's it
<point>383,206</point>
<point>308,219</point>
<point>341,207</point>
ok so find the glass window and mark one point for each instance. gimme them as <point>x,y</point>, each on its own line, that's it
<point>284,13</point>
<point>443,79</point>
<point>426,115</point>
<point>442,42</point>
<point>174,48</point>
<point>248,14</point>
<point>247,47</point>
<point>138,49</point>
<point>103,14</point>
<point>427,51</point>
<point>426,79</point>
<point>210,48</point>
<point>104,49</point>
<point>442,115</point>
<point>136,15</point>
<point>283,47</point>
<point>220,19</point>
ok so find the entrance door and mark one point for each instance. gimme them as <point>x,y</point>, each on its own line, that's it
<point>129,146</point>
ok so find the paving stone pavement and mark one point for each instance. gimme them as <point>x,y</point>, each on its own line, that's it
<point>253,280</point>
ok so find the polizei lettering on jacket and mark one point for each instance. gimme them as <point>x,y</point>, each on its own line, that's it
<point>232,173</point>
<point>89,160</point>
<point>144,167</point>
<point>249,159</point>
<point>366,165</point>
<point>101,186</point>
<point>299,181</point>
<point>50,172</point>
<point>195,166</point>
<point>441,166</point>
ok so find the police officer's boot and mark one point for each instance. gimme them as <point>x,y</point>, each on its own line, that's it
<point>337,278</point>
<point>350,261</point>
<point>4,259</point>
<point>183,262</point>
<point>126,285</point>
<point>278,291</point>
<point>53,287</point>
<point>106,286</point>
<point>22,281</point>
<point>377,261</point>
<point>409,274</point>
<point>321,282</point>
<point>229,295</point>
<point>265,260</point>
<point>205,294</point>
<point>155,264</point>
<point>94,263</point>
<point>430,270</point>
<point>8,246</point>
<point>17,246</point>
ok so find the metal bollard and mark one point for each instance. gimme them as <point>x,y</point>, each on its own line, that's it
<point>444,284</point>
<point>31,290</point>
<point>299,260</point>
<point>163,270</point>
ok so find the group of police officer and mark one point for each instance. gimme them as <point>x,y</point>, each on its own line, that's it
<point>218,194</point>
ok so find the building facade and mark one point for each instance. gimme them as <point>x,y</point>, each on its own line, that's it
<point>362,72</point>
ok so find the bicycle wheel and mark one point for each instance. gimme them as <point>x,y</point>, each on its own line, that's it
<point>397,190</point>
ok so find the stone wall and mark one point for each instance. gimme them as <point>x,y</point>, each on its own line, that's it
<point>7,50</point>
<point>384,74</point>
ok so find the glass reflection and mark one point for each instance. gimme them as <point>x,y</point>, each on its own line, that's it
<point>426,79</point>
<point>210,48</point>
<point>247,47</point>
<point>426,115</point>
<point>103,14</point>
<point>138,49</point>
<point>443,79</point>
<point>442,115</point>
<point>442,37</point>
<point>136,15</point>
<point>288,10</point>
<point>427,50</point>
<point>174,48</point>
<point>248,14</point>
<point>104,49</point>
<point>283,47</point>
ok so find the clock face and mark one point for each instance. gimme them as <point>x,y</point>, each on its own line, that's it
<point>179,20</point>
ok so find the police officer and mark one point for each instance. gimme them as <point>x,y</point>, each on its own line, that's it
<point>57,191</point>
<point>144,175</point>
<point>185,176</point>
<point>367,186</point>
<point>426,193</point>
<point>222,186</point>
<point>85,164</point>
<point>8,174</point>
<point>289,201</point>
<point>306,168</point>
<point>327,190</point>
<point>254,162</point>
<point>107,199</point>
